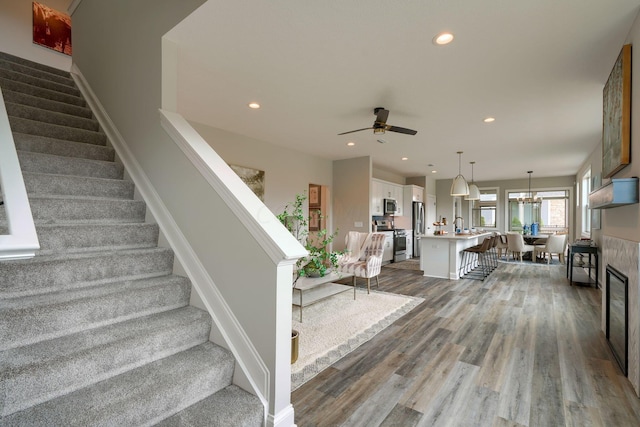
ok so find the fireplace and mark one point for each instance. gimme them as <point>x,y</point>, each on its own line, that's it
<point>617,313</point>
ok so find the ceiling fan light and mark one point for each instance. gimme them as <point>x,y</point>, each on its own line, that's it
<point>459,187</point>
<point>377,131</point>
<point>474,193</point>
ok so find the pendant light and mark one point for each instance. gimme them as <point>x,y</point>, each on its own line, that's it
<point>474,191</point>
<point>459,187</point>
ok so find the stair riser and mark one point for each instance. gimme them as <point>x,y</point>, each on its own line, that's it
<point>35,382</point>
<point>77,186</point>
<point>46,116</point>
<point>46,104</point>
<point>32,127</point>
<point>65,211</point>
<point>27,326</point>
<point>59,147</point>
<point>18,68</point>
<point>97,236</point>
<point>39,92</point>
<point>40,83</point>
<point>77,272</point>
<point>140,397</point>
<point>46,163</point>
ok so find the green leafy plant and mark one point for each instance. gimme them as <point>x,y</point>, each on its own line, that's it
<point>320,261</point>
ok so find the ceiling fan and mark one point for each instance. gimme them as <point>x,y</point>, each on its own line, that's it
<point>380,125</point>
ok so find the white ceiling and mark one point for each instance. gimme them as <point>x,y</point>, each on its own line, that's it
<point>320,68</point>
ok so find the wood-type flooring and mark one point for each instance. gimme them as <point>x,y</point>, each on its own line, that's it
<point>522,348</point>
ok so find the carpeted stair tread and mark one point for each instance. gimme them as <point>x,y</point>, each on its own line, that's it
<point>27,320</point>
<point>46,104</point>
<point>17,86</point>
<point>53,117</point>
<point>143,396</point>
<point>73,185</point>
<point>34,72</point>
<point>68,238</point>
<point>34,127</point>
<point>52,209</point>
<point>231,406</point>
<point>35,65</point>
<point>39,82</point>
<point>53,164</point>
<point>56,272</point>
<point>49,369</point>
<point>95,329</point>
<point>61,147</point>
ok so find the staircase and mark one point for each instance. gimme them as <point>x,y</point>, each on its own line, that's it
<point>96,330</point>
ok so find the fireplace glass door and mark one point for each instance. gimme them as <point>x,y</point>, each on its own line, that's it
<point>617,315</point>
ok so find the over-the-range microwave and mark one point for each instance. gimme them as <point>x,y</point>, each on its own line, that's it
<point>390,206</point>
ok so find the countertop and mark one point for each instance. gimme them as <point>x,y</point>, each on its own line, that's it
<point>452,236</point>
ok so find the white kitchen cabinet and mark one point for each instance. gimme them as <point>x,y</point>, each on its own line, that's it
<point>377,195</point>
<point>381,190</point>
<point>387,250</point>
<point>412,193</point>
<point>409,244</point>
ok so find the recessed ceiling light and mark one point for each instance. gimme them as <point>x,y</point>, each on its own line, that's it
<point>405,158</point>
<point>351,143</point>
<point>489,119</point>
<point>443,38</point>
<point>254,105</point>
<point>434,171</point>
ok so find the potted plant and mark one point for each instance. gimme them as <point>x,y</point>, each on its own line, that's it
<point>320,260</point>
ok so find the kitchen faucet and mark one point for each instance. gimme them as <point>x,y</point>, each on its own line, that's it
<point>455,221</point>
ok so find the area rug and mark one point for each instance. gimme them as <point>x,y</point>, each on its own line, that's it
<point>410,264</point>
<point>334,327</point>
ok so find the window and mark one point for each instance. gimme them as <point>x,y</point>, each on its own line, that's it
<point>550,209</point>
<point>483,211</point>
<point>584,203</point>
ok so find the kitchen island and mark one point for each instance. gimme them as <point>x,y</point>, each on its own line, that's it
<point>441,255</point>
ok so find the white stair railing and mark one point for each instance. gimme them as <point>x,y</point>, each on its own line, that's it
<point>20,239</point>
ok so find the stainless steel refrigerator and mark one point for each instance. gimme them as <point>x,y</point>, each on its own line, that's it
<point>417,222</point>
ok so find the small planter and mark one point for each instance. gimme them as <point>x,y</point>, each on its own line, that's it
<point>295,335</point>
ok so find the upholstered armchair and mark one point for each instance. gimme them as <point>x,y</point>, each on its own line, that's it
<point>370,263</point>
<point>516,245</point>
<point>555,245</point>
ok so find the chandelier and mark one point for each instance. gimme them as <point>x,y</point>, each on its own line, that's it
<point>530,198</point>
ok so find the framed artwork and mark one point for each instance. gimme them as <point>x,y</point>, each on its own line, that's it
<point>314,195</point>
<point>314,220</point>
<point>51,29</point>
<point>616,116</point>
<point>254,178</point>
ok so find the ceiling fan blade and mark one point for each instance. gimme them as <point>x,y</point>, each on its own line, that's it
<point>381,115</point>
<point>401,130</point>
<point>352,131</point>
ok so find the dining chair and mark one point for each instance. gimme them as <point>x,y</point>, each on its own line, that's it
<point>516,245</point>
<point>502,245</point>
<point>555,245</point>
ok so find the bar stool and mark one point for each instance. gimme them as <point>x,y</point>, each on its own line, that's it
<point>482,254</point>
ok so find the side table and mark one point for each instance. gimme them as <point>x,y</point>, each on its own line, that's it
<point>313,289</point>
<point>591,250</point>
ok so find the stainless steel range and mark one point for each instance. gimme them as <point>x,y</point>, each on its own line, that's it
<point>399,245</point>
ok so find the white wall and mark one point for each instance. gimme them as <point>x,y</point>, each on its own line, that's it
<point>351,197</point>
<point>287,172</point>
<point>624,222</point>
<point>16,32</point>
